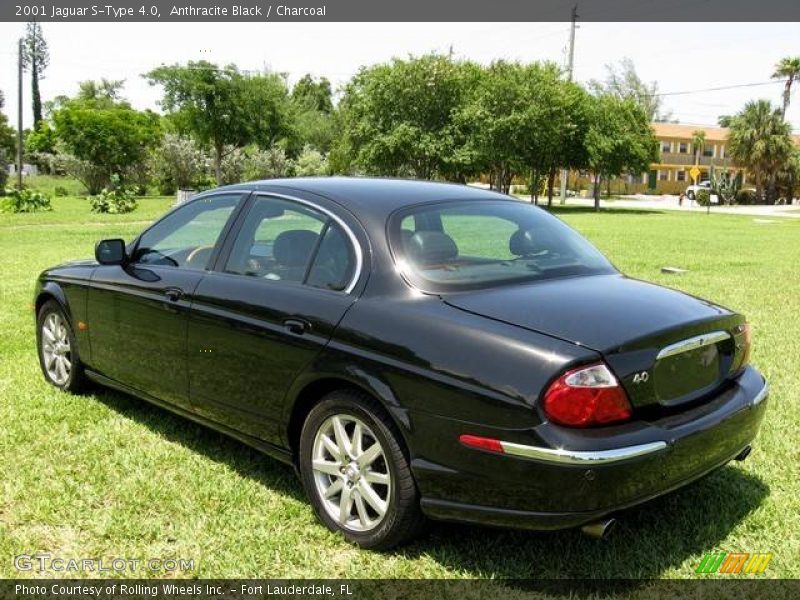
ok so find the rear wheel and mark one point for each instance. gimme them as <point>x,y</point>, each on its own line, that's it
<point>690,195</point>
<point>356,474</point>
<point>58,352</point>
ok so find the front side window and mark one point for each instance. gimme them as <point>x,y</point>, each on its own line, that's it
<point>187,237</point>
<point>286,241</point>
<point>464,245</point>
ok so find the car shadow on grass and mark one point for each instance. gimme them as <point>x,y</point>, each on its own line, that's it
<point>218,447</point>
<point>648,540</point>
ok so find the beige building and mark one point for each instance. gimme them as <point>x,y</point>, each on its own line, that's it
<point>677,157</point>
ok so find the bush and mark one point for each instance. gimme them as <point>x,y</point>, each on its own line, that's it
<point>233,166</point>
<point>310,163</point>
<point>177,163</point>
<point>267,164</point>
<point>115,201</point>
<point>703,197</point>
<point>60,191</point>
<point>3,169</point>
<point>92,177</point>
<point>25,201</point>
<point>745,197</point>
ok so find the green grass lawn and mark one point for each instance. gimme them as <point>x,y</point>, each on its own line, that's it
<point>106,475</point>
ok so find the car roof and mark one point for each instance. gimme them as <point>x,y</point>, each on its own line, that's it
<point>372,197</point>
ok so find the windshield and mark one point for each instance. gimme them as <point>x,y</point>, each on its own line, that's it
<point>463,245</point>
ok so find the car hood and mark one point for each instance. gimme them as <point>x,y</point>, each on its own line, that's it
<point>601,312</point>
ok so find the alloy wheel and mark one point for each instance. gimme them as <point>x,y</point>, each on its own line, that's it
<point>351,473</point>
<point>56,349</point>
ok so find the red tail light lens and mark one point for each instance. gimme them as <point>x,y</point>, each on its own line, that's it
<point>587,396</point>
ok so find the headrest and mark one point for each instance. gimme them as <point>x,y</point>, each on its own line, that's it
<point>430,247</point>
<point>525,242</point>
<point>292,248</point>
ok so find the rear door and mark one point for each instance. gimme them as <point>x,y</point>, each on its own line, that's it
<point>278,291</point>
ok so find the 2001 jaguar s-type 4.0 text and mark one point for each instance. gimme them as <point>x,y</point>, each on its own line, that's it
<point>414,349</point>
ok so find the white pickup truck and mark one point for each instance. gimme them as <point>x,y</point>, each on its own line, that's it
<point>692,190</point>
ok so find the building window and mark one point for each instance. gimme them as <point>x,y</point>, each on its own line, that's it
<point>708,151</point>
<point>683,147</point>
<point>663,175</point>
<point>681,176</point>
<point>666,147</point>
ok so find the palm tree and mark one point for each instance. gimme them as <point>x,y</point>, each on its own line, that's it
<point>760,141</point>
<point>788,68</point>
<point>698,143</point>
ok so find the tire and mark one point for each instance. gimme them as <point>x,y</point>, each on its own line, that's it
<point>385,482</point>
<point>690,195</point>
<point>58,350</point>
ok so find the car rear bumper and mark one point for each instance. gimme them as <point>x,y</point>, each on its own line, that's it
<point>569,477</point>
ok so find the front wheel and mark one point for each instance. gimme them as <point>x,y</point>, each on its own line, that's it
<point>690,195</point>
<point>356,474</point>
<point>58,352</point>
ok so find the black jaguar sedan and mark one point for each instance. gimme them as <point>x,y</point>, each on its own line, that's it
<point>414,350</point>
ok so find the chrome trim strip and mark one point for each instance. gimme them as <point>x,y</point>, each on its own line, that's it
<point>761,395</point>
<point>575,457</point>
<point>693,343</point>
<point>353,239</point>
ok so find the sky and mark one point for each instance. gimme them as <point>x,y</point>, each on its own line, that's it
<point>681,57</point>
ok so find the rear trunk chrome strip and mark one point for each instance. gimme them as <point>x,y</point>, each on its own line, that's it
<point>693,343</point>
<point>761,395</point>
<point>574,457</point>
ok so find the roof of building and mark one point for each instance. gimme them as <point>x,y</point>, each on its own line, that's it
<point>680,130</point>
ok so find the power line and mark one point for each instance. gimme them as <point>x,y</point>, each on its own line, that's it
<point>717,89</point>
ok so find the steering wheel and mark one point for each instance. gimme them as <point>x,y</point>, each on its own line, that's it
<point>201,252</point>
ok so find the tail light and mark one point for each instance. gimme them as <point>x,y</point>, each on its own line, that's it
<point>586,396</point>
<point>747,344</point>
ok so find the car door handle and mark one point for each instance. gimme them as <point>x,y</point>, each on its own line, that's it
<point>297,326</point>
<point>173,294</point>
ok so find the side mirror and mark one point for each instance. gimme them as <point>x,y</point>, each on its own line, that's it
<point>110,252</point>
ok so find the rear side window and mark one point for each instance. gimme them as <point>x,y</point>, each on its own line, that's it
<point>467,245</point>
<point>286,241</point>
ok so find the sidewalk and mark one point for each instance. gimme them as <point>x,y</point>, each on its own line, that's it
<point>671,203</point>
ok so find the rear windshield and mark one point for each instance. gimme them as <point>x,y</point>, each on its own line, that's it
<point>463,245</point>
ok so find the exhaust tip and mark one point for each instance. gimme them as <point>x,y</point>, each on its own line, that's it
<point>744,453</point>
<point>599,530</point>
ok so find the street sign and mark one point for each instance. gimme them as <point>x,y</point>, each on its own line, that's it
<point>694,172</point>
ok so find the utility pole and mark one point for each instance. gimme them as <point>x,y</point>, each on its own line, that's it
<point>564,172</point>
<point>19,119</point>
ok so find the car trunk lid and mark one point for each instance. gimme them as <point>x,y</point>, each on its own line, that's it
<point>667,348</point>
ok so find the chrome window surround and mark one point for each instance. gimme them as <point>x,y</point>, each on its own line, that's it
<point>349,232</point>
<point>692,343</point>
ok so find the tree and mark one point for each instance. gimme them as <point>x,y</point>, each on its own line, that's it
<point>787,178</point>
<point>525,119</point>
<point>313,105</point>
<point>105,138</point>
<point>620,139</point>
<point>760,140</point>
<point>698,144</point>
<point>312,94</point>
<point>224,108</point>
<point>788,68</point>
<point>623,81</point>
<point>36,58</point>
<point>8,138</point>
<point>398,119</point>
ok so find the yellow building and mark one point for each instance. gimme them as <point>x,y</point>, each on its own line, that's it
<point>677,157</point>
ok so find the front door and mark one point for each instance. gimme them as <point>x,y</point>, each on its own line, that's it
<point>137,313</point>
<point>268,311</point>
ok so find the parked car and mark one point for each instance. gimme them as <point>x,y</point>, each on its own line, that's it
<point>691,191</point>
<point>414,350</point>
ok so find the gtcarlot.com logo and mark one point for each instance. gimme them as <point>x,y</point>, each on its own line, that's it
<point>47,562</point>
<point>734,563</point>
